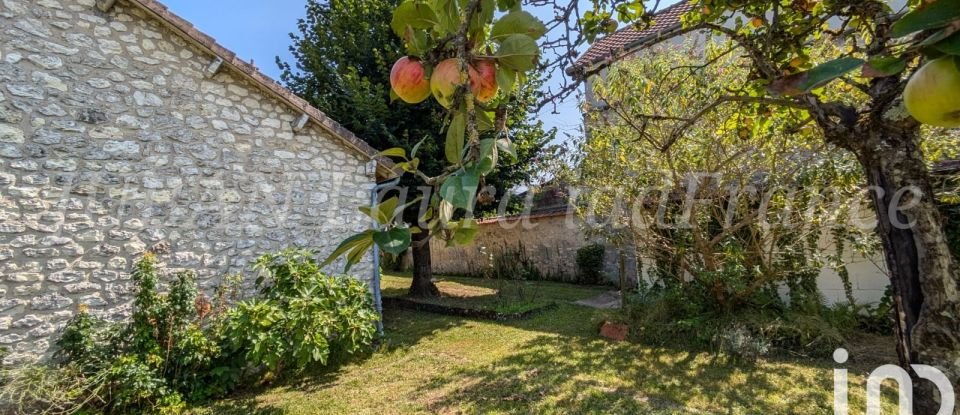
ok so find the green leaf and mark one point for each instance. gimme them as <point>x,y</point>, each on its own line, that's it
<point>394,152</point>
<point>465,231</point>
<point>348,244</point>
<point>930,16</point>
<point>950,45</point>
<point>448,16</point>
<point>506,77</point>
<point>460,188</point>
<point>416,147</point>
<point>387,209</point>
<point>393,241</point>
<point>804,82</point>
<point>412,13</point>
<point>416,40</point>
<point>505,5</point>
<point>488,156</point>
<point>356,254</point>
<point>518,22</point>
<point>884,66</point>
<point>481,19</point>
<point>518,52</point>
<point>455,138</point>
<point>484,121</point>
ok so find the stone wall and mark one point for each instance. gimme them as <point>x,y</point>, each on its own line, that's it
<point>550,243</point>
<point>114,140</point>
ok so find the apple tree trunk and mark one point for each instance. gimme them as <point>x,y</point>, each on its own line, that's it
<point>922,270</point>
<point>422,285</point>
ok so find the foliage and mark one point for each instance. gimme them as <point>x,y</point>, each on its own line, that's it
<point>737,206</point>
<point>180,347</point>
<point>343,57</point>
<point>952,227</point>
<point>590,264</point>
<point>511,264</point>
<point>872,52</point>
<point>166,355</point>
<point>669,314</point>
<point>553,363</point>
<point>302,317</point>
<point>476,133</point>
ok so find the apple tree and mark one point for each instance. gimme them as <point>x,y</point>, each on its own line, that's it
<point>471,57</point>
<point>342,58</point>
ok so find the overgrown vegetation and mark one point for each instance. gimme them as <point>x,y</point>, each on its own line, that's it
<point>181,347</point>
<point>590,264</point>
<point>739,217</point>
<point>685,313</point>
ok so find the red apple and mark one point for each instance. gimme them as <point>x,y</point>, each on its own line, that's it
<point>409,81</point>
<point>444,81</point>
<point>483,80</point>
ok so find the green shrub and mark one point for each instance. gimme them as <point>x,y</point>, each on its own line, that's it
<point>180,347</point>
<point>590,264</point>
<point>688,314</point>
<point>302,316</point>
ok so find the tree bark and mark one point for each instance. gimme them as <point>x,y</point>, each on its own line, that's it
<point>422,285</point>
<point>922,270</point>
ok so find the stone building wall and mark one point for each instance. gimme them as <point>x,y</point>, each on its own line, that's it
<point>115,140</point>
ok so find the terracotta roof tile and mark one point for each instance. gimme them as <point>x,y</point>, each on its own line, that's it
<point>622,41</point>
<point>230,59</point>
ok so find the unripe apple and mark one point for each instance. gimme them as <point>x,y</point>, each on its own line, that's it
<point>483,80</point>
<point>933,94</point>
<point>408,80</point>
<point>444,81</point>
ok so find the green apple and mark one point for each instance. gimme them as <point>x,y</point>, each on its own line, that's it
<point>933,94</point>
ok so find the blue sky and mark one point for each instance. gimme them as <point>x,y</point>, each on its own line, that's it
<point>259,30</point>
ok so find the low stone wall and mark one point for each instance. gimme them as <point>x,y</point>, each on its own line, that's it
<point>114,139</point>
<point>550,244</point>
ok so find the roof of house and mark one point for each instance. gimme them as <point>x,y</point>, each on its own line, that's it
<point>548,201</point>
<point>267,84</point>
<point>630,38</point>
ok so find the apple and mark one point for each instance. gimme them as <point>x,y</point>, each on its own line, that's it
<point>444,81</point>
<point>933,94</point>
<point>483,80</point>
<point>408,80</point>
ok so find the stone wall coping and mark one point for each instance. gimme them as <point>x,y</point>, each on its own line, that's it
<point>186,29</point>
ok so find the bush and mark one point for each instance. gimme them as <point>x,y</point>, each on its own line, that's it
<point>590,264</point>
<point>689,315</point>
<point>302,316</point>
<point>181,347</point>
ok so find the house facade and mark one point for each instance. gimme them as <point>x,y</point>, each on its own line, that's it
<point>124,130</point>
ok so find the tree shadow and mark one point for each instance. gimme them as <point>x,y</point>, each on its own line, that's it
<point>551,374</point>
<point>402,331</point>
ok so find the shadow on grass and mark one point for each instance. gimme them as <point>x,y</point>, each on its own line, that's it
<point>403,330</point>
<point>578,375</point>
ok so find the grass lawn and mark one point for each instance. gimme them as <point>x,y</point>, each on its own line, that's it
<point>551,363</point>
<point>489,294</point>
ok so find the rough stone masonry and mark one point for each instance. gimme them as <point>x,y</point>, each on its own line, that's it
<point>117,135</point>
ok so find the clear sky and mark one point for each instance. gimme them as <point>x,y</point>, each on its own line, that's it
<point>259,30</point>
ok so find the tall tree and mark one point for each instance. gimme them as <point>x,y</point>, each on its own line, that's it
<point>343,55</point>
